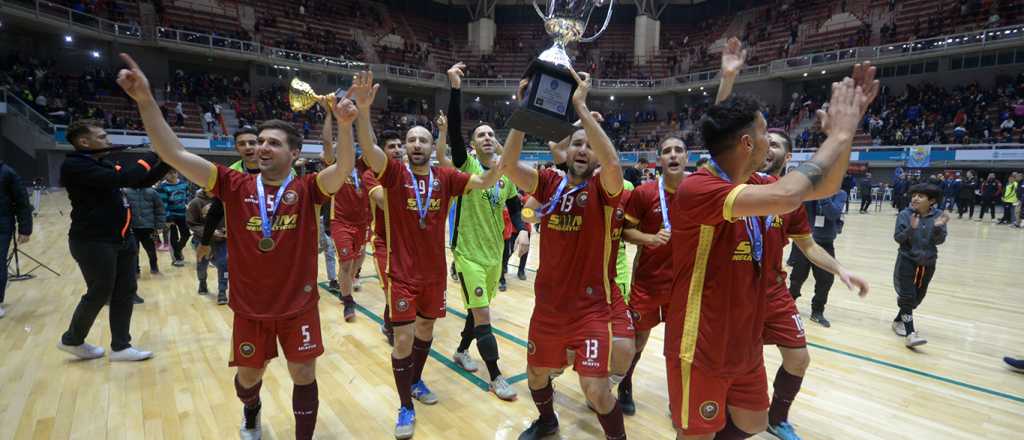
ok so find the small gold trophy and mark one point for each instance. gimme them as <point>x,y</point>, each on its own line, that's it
<point>301,96</point>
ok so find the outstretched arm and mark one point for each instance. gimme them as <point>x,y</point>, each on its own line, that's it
<point>327,132</point>
<point>524,176</point>
<point>458,144</point>
<point>819,257</point>
<point>733,57</point>
<point>363,90</point>
<point>332,177</point>
<point>442,142</point>
<point>163,139</point>
<point>611,172</point>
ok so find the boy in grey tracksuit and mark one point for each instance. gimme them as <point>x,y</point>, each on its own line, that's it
<point>919,230</point>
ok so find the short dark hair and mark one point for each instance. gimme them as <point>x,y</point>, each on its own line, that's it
<point>668,137</point>
<point>928,190</point>
<point>245,130</point>
<point>472,132</point>
<point>388,135</point>
<point>292,135</point>
<point>785,136</point>
<point>81,127</point>
<point>724,123</point>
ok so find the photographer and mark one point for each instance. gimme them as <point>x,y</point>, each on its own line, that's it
<point>101,238</point>
<point>14,208</point>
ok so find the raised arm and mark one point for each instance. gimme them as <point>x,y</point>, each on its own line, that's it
<point>821,176</point>
<point>485,180</point>
<point>442,141</point>
<point>363,90</point>
<point>332,177</point>
<point>327,132</point>
<point>733,57</point>
<point>163,139</point>
<point>611,172</point>
<point>458,143</point>
<point>524,176</point>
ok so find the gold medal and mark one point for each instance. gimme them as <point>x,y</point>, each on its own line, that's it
<point>266,244</point>
<point>528,213</point>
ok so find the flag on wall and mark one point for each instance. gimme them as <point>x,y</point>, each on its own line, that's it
<point>919,156</point>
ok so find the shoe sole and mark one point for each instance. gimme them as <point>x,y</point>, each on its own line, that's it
<point>915,344</point>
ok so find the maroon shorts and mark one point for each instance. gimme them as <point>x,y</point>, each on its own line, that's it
<point>407,301</point>
<point>349,240</point>
<point>698,399</point>
<point>649,310</point>
<point>622,317</point>
<point>381,261</point>
<point>254,341</point>
<point>590,338</point>
<point>782,324</point>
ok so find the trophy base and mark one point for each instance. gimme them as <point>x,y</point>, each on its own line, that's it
<point>546,110</point>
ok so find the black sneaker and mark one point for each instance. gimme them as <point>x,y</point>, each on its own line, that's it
<point>333,285</point>
<point>350,310</point>
<point>626,402</point>
<point>222,298</point>
<point>539,430</point>
<point>138,300</point>
<point>521,276</point>
<point>202,288</point>
<point>502,286</point>
<point>819,317</point>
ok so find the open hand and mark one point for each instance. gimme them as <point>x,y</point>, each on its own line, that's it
<point>733,57</point>
<point>867,85</point>
<point>345,111</point>
<point>844,115</point>
<point>441,121</point>
<point>854,281</point>
<point>915,221</point>
<point>363,90</point>
<point>583,83</point>
<point>521,91</point>
<point>455,74</point>
<point>943,219</point>
<point>133,81</point>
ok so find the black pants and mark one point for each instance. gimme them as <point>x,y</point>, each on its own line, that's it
<point>145,238</point>
<point>506,253</point>
<point>911,281</point>
<point>847,209</point>
<point>865,202</point>
<point>1008,216</point>
<point>179,235</point>
<point>902,202</point>
<point>109,272</point>
<point>988,204</point>
<point>5,245</point>
<point>823,279</point>
<point>965,205</point>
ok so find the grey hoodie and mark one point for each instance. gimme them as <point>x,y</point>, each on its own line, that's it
<point>921,244</point>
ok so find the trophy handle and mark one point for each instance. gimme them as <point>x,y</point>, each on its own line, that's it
<point>607,19</point>
<point>539,12</point>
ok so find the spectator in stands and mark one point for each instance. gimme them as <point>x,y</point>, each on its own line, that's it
<point>210,124</point>
<point>179,115</point>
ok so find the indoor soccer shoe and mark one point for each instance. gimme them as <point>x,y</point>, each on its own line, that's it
<point>501,388</point>
<point>405,427</point>
<point>423,394</point>
<point>251,429</point>
<point>783,431</point>
<point>463,360</point>
<point>913,340</point>
<point>1014,364</point>
<point>539,430</point>
<point>626,402</point>
<point>899,329</point>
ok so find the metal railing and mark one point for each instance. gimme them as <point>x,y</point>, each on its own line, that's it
<point>803,62</point>
<point>17,105</point>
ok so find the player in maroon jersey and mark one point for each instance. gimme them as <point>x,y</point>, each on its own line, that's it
<point>782,325</point>
<point>714,361</point>
<point>350,219</point>
<point>647,226</point>
<point>573,313</point>
<point>416,198</point>
<point>274,229</point>
<point>393,147</point>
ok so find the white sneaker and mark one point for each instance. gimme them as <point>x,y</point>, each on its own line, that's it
<point>85,351</point>
<point>357,284</point>
<point>130,354</point>
<point>463,360</point>
<point>2,312</point>
<point>913,340</point>
<point>501,388</point>
<point>899,329</point>
<point>250,433</point>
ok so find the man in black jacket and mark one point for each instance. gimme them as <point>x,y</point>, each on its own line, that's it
<point>101,239</point>
<point>14,208</point>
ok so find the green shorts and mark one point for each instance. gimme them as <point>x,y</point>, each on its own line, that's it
<point>479,282</point>
<point>624,288</point>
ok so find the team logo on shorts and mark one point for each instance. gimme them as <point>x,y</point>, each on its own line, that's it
<point>402,305</point>
<point>479,291</point>
<point>307,288</point>
<point>290,197</point>
<point>709,410</point>
<point>636,315</point>
<point>619,214</point>
<point>581,199</point>
<point>344,252</point>
<point>247,349</point>
<point>531,348</point>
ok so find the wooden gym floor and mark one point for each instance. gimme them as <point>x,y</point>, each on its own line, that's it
<point>862,383</point>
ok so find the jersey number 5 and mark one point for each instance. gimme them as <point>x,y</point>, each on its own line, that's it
<point>305,334</point>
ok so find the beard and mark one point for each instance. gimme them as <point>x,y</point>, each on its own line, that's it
<point>773,168</point>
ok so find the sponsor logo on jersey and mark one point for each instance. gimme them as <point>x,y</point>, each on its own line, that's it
<point>281,223</point>
<point>742,252</point>
<point>565,222</point>
<point>410,204</point>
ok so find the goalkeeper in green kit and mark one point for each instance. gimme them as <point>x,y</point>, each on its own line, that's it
<point>477,240</point>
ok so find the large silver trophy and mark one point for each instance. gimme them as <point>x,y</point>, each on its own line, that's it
<point>546,109</point>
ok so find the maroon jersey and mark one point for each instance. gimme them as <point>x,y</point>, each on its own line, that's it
<point>351,205</point>
<point>577,253</point>
<point>793,224</point>
<point>414,255</point>
<point>653,272</point>
<point>280,283</point>
<point>716,315</point>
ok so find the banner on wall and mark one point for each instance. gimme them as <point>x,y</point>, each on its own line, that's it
<point>919,156</point>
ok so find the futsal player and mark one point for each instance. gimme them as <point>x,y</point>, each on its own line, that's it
<point>782,325</point>
<point>714,361</point>
<point>273,247</point>
<point>350,220</point>
<point>416,198</point>
<point>573,312</point>
<point>395,150</point>
<point>477,240</point>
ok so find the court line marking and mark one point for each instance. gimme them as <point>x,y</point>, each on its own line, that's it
<point>914,371</point>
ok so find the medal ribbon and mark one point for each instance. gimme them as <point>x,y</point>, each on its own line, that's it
<point>752,224</point>
<point>664,207</point>
<point>355,178</point>
<point>420,209</point>
<point>267,217</point>
<point>550,205</point>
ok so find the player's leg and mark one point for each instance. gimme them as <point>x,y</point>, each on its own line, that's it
<point>470,279</point>
<point>305,397</point>
<point>747,403</point>
<point>788,380</point>
<point>346,273</point>
<point>349,244</point>
<point>330,259</point>
<point>253,345</point>
<point>545,358</point>
<point>593,349</point>
<point>906,280</point>
<point>625,391</point>
<point>302,343</point>
<point>357,267</point>
<point>422,340</point>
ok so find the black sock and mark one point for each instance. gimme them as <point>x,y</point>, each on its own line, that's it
<point>488,347</point>
<point>467,333</point>
<point>908,320</point>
